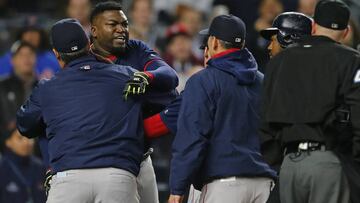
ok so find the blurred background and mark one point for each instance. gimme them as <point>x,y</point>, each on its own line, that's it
<point>168,26</point>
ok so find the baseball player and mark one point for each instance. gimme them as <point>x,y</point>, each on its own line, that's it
<point>111,40</point>
<point>286,29</point>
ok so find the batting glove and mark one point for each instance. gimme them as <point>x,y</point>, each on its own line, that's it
<point>137,84</point>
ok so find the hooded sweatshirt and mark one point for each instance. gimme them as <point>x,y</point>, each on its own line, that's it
<point>217,133</point>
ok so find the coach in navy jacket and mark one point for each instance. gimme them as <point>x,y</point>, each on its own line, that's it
<point>218,120</point>
<point>88,123</point>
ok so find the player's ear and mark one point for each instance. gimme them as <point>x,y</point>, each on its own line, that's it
<point>93,31</point>
<point>57,55</point>
<point>216,44</point>
<point>313,27</point>
<point>346,31</point>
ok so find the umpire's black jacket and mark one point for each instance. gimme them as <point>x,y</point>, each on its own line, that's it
<point>304,84</point>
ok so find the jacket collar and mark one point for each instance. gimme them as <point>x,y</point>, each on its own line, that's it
<point>239,63</point>
<point>224,53</point>
<point>316,39</point>
<point>81,60</point>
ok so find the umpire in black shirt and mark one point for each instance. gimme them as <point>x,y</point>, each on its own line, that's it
<point>308,89</point>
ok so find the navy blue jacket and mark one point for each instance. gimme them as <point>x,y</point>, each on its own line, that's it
<point>88,124</point>
<point>218,122</point>
<point>17,174</point>
<point>162,90</point>
<point>169,116</point>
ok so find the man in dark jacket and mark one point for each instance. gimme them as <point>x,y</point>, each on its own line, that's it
<point>216,146</point>
<point>18,86</point>
<point>21,174</point>
<point>304,87</point>
<point>95,136</point>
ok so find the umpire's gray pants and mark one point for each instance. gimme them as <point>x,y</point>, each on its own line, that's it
<point>103,185</point>
<point>312,177</point>
<point>237,190</point>
<point>146,183</point>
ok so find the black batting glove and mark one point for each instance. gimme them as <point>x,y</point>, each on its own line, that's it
<point>136,85</point>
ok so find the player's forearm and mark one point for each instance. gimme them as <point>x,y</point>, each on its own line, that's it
<point>163,77</point>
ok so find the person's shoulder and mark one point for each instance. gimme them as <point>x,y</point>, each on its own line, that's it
<point>5,80</point>
<point>137,45</point>
<point>120,69</point>
<point>203,76</point>
<point>346,49</point>
<point>9,81</point>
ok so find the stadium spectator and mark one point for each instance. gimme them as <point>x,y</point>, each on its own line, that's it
<point>21,174</point>
<point>307,7</point>
<point>80,10</point>
<point>179,54</point>
<point>192,20</point>
<point>46,64</point>
<point>142,18</point>
<point>268,10</point>
<point>15,89</point>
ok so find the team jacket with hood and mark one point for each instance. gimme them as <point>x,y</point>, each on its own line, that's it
<point>218,122</point>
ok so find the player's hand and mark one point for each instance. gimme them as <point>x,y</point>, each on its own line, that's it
<point>176,199</point>
<point>136,85</point>
<point>48,177</point>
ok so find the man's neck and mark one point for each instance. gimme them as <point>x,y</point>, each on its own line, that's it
<point>332,34</point>
<point>96,48</point>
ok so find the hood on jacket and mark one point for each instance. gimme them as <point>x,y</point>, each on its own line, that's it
<point>239,63</point>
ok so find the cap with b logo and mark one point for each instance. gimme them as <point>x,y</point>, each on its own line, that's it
<point>332,14</point>
<point>68,36</point>
<point>228,28</point>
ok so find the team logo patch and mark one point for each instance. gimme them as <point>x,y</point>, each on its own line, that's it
<point>357,77</point>
<point>12,187</point>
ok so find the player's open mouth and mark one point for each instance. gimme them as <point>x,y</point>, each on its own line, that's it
<point>120,39</point>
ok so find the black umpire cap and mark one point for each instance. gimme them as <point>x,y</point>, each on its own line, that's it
<point>68,36</point>
<point>228,28</point>
<point>332,14</point>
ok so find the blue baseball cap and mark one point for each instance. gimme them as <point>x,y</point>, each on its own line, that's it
<point>228,28</point>
<point>68,36</point>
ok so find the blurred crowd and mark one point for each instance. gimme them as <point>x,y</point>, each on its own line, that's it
<point>168,26</point>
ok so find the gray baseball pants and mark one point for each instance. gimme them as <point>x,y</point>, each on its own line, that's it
<point>313,177</point>
<point>237,190</point>
<point>146,183</point>
<point>110,185</point>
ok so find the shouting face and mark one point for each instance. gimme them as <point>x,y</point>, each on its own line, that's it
<point>110,31</point>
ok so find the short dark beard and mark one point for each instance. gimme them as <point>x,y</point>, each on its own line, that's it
<point>118,50</point>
